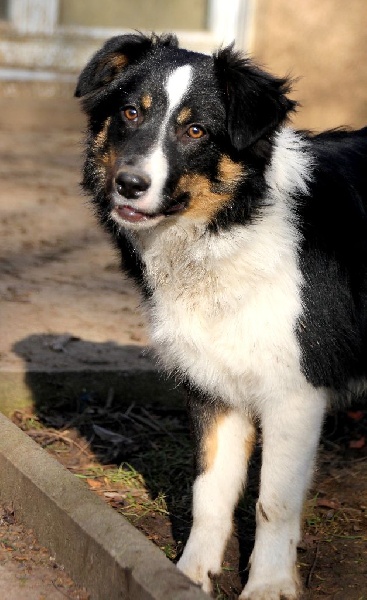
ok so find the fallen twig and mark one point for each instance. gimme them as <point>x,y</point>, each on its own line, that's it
<point>313,566</point>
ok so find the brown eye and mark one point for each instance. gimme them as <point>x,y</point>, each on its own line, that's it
<point>195,132</point>
<point>130,113</point>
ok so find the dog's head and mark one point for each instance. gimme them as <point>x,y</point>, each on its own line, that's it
<point>174,133</point>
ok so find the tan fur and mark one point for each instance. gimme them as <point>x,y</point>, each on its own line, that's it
<point>105,164</point>
<point>184,115</point>
<point>101,137</point>
<point>146,101</point>
<point>116,62</point>
<point>229,171</point>
<point>204,200</point>
<point>108,158</point>
<point>204,203</point>
<point>211,444</point>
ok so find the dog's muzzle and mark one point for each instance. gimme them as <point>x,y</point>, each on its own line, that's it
<point>131,198</point>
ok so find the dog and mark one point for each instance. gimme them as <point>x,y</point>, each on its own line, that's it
<point>248,240</point>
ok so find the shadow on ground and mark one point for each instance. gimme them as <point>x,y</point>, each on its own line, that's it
<point>128,415</point>
<point>132,416</point>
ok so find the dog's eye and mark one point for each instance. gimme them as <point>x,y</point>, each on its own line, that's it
<point>195,131</point>
<point>130,113</point>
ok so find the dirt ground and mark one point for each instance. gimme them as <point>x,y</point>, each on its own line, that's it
<point>27,571</point>
<point>62,296</point>
<point>136,459</point>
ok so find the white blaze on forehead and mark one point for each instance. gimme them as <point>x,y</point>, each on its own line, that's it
<point>177,84</point>
<point>155,163</point>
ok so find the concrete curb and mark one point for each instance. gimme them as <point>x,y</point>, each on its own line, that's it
<point>97,547</point>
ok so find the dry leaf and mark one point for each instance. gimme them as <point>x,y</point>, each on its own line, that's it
<point>358,443</point>
<point>94,483</point>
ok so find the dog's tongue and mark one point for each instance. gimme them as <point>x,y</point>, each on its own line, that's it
<point>130,214</point>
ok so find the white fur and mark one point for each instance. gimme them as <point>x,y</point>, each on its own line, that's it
<point>224,313</point>
<point>215,494</point>
<point>291,431</point>
<point>155,165</point>
<point>177,85</point>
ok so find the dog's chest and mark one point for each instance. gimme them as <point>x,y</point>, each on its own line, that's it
<point>223,311</point>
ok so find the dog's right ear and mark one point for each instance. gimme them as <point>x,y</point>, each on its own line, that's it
<point>110,60</point>
<point>116,54</point>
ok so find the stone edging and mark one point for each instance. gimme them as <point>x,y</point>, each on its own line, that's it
<point>97,546</point>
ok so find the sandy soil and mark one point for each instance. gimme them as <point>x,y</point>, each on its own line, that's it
<point>27,571</point>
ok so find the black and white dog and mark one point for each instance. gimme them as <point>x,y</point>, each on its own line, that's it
<point>249,242</point>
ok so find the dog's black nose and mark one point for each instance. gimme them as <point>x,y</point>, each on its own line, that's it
<point>131,184</point>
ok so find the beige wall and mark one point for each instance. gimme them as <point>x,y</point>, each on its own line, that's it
<point>135,14</point>
<point>324,42</point>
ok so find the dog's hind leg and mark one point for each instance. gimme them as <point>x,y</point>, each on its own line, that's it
<point>291,430</point>
<point>224,441</point>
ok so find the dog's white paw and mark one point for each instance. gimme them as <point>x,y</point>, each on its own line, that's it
<point>276,590</point>
<point>199,567</point>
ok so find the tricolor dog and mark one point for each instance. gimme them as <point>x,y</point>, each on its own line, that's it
<point>249,242</point>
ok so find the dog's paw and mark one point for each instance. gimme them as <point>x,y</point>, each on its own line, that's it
<point>199,568</point>
<point>279,590</point>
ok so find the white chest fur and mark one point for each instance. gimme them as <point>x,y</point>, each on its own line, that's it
<point>224,308</point>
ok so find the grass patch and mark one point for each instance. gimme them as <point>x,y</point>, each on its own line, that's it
<point>327,523</point>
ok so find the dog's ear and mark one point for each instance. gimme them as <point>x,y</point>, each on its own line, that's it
<point>256,101</point>
<point>116,54</point>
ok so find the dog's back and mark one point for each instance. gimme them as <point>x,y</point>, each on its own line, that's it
<point>333,259</point>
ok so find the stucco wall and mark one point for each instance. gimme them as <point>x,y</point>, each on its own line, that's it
<point>324,43</point>
<point>136,14</point>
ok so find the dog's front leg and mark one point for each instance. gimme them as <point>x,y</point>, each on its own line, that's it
<point>291,429</point>
<point>224,441</point>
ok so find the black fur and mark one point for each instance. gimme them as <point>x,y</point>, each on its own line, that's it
<point>256,101</point>
<point>333,260</point>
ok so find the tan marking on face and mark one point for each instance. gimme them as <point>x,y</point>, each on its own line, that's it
<point>211,444</point>
<point>229,171</point>
<point>206,197</point>
<point>108,158</point>
<point>184,115</point>
<point>204,203</point>
<point>101,137</point>
<point>146,101</point>
<point>106,165</point>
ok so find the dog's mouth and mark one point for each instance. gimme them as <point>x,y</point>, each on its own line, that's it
<point>133,215</point>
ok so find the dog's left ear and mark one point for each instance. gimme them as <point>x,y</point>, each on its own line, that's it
<point>256,101</point>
